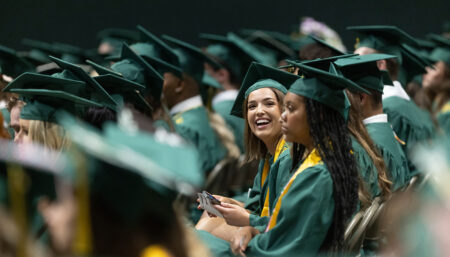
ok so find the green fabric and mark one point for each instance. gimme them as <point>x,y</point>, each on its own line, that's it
<point>194,126</point>
<point>411,124</point>
<point>363,70</point>
<point>320,63</point>
<point>124,91</point>
<point>321,42</point>
<point>209,81</point>
<point>266,83</point>
<point>258,72</point>
<point>443,118</point>
<point>303,222</point>
<point>11,64</point>
<point>236,124</point>
<point>367,170</point>
<point>133,67</point>
<point>263,39</point>
<point>441,54</point>
<point>393,155</point>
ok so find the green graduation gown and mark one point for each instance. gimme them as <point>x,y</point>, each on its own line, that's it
<point>443,118</point>
<point>366,168</point>
<point>193,125</point>
<point>305,215</point>
<point>411,124</point>
<point>393,155</point>
<point>236,124</point>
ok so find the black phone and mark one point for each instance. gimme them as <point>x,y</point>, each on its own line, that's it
<point>212,198</point>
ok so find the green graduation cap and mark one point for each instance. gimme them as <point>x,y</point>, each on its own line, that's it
<point>236,53</point>
<point>97,93</point>
<point>191,59</point>
<point>442,51</point>
<point>414,63</point>
<point>209,81</point>
<point>261,76</point>
<point>133,67</point>
<point>116,36</point>
<point>124,91</point>
<point>363,70</point>
<point>321,42</point>
<point>262,38</point>
<point>320,63</point>
<point>161,51</point>
<point>140,164</point>
<point>325,88</point>
<point>11,64</point>
<point>45,95</point>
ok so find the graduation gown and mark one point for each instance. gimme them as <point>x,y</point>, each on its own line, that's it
<point>393,155</point>
<point>366,168</point>
<point>193,125</point>
<point>411,124</point>
<point>236,124</point>
<point>301,217</point>
<point>443,118</point>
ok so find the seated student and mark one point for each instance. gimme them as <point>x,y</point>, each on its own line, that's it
<point>259,102</point>
<point>363,70</point>
<point>43,96</point>
<point>411,124</point>
<point>313,208</point>
<point>371,167</point>
<point>123,205</point>
<point>436,83</point>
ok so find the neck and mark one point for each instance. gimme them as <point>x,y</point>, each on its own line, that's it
<point>271,145</point>
<point>372,112</point>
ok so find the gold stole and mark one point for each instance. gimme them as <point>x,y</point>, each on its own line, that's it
<point>281,147</point>
<point>312,160</point>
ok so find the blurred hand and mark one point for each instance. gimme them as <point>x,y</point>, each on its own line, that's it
<point>234,215</point>
<point>240,240</point>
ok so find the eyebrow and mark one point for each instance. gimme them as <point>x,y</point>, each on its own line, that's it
<point>265,99</point>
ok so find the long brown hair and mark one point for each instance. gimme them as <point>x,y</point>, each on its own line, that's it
<point>255,147</point>
<point>358,130</point>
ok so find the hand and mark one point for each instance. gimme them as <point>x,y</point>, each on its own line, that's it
<point>229,200</point>
<point>234,215</point>
<point>240,240</point>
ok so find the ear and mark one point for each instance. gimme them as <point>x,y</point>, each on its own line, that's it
<point>364,98</point>
<point>382,65</point>
<point>181,84</point>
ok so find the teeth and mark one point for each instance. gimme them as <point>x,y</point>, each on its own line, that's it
<point>262,122</point>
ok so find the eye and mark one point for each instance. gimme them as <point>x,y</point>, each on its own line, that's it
<point>251,106</point>
<point>270,103</point>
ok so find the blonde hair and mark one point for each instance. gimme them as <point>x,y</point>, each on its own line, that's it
<point>48,134</point>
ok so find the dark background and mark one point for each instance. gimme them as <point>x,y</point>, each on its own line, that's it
<point>77,22</point>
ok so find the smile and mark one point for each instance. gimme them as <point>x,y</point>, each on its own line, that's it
<point>262,123</point>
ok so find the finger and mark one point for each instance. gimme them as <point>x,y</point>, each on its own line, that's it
<point>241,253</point>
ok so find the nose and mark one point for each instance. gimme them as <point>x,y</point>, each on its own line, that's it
<point>283,117</point>
<point>259,110</point>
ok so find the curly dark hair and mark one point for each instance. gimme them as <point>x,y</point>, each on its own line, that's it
<point>331,138</point>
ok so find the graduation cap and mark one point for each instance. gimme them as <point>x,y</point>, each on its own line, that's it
<point>363,70</point>
<point>191,59</point>
<point>44,95</point>
<point>320,63</point>
<point>414,63</point>
<point>235,52</point>
<point>209,81</point>
<point>262,38</point>
<point>325,88</point>
<point>334,50</point>
<point>133,67</point>
<point>123,91</point>
<point>11,64</point>
<point>442,51</point>
<point>116,36</point>
<point>97,93</point>
<point>140,164</point>
<point>261,76</point>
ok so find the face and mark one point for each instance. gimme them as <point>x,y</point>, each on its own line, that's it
<point>171,88</point>
<point>15,120</point>
<point>23,137</point>
<point>294,122</point>
<point>263,115</point>
<point>434,78</point>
